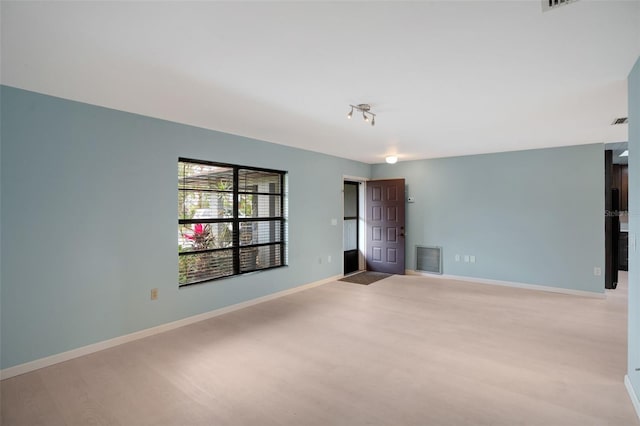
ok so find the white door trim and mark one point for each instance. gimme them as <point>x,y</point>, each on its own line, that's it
<point>362,246</point>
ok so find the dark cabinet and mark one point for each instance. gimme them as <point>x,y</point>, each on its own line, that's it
<point>620,180</point>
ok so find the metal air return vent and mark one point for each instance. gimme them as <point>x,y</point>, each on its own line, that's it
<point>429,259</point>
<point>553,4</point>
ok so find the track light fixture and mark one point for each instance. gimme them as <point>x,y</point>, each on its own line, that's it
<point>365,109</point>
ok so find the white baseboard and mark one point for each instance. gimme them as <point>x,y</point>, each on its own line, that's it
<point>632,395</point>
<point>105,344</point>
<point>509,284</point>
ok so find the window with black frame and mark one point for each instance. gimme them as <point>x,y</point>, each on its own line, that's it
<point>231,220</point>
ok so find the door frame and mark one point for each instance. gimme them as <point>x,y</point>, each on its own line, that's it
<point>362,229</point>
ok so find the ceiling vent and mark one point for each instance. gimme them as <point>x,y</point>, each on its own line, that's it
<point>621,120</point>
<point>429,259</point>
<point>554,4</point>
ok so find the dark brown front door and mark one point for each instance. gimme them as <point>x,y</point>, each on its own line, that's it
<point>385,226</point>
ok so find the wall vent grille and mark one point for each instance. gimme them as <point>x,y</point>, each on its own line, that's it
<point>554,4</point>
<point>429,259</point>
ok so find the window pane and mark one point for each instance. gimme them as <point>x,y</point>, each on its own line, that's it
<point>252,205</point>
<point>204,177</point>
<point>204,236</point>
<point>204,205</point>
<point>254,258</point>
<point>204,266</point>
<point>259,181</point>
<point>350,200</point>
<point>260,232</point>
<point>350,232</point>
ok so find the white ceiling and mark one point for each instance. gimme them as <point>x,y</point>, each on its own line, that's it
<point>445,78</point>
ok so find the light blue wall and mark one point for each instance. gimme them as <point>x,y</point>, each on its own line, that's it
<point>634,227</point>
<point>89,222</point>
<point>532,217</point>
<point>88,219</point>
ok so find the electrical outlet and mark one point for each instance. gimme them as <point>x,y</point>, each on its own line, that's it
<point>472,259</point>
<point>597,271</point>
<point>334,222</point>
<point>329,259</point>
<point>466,258</point>
<point>320,260</point>
<point>154,294</point>
<point>457,258</point>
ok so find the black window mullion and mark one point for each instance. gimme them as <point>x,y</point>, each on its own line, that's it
<point>192,221</point>
<point>282,224</point>
<point>272,243</point>
<point>192,252</point>
<point>236,222</point>
<point>222,191</point>
<point>272,212</point>
<point>259,219</point>
<point>258,193</point>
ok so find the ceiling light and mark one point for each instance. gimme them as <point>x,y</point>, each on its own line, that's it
<point>625,153</point>
<point>391,159</point>
<point>365,109</point>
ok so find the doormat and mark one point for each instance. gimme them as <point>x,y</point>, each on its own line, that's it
<point>365,278</point>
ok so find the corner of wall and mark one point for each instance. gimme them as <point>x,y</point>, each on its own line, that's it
<point>633,371</point>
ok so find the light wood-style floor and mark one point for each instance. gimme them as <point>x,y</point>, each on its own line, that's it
<point>402,351</point>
